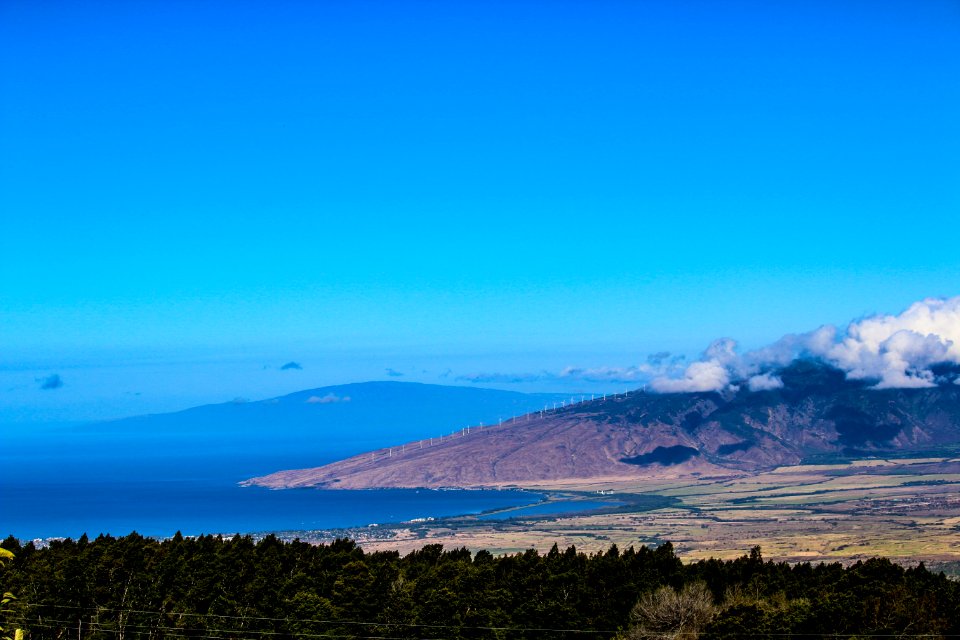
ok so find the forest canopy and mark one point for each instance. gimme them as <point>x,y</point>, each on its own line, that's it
<point>215,587</point>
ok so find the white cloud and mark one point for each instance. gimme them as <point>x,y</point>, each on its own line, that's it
<point>764,382</point>
<point>708,375</point>
<point>895,350</point>
<point>609,374</point>
<point>898,350</point>
<point>723,351</point>
<point>330,398</point>
<point>792,346</point>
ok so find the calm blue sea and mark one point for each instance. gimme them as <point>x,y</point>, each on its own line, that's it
<point>160,508</point>
<point>59,485</point>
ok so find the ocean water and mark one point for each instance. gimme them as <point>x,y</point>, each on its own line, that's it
<point>64,485</point>
<point>67,481</point>
<point>162,507</point>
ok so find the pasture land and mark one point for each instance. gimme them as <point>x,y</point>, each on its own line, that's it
<point>904,509</point>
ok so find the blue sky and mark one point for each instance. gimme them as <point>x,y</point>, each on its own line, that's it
<point>193,194</point>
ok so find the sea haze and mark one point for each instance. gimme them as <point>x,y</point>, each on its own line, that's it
<point>178,472</point>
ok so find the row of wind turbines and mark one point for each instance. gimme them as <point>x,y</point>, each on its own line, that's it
<point>390,452</point>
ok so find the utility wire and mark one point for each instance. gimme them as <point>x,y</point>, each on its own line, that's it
<point>69,625</point>
<point>22,618</point>
<point>322,621</point>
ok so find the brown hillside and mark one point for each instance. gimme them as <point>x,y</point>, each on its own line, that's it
<point>639,435</point>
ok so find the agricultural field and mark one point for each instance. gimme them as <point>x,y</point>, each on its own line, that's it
<point>907,510</point>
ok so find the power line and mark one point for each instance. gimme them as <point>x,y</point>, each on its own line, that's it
<point>31,623</point>
<point>67,625</point>
<point>108,627</point>
<point>333,622</point>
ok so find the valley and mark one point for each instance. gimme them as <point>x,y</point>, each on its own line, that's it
<point>905,509</point>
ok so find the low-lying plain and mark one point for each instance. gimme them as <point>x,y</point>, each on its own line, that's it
<point>907,510</point>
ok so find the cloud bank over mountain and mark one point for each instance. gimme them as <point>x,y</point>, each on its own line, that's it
<point>892,351</point>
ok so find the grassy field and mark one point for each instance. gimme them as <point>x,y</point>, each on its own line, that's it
<point>907,509</point>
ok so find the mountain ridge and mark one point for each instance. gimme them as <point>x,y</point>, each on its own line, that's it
<point>235,440</point>
<point>308,408</point>
<point>817,412</point>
